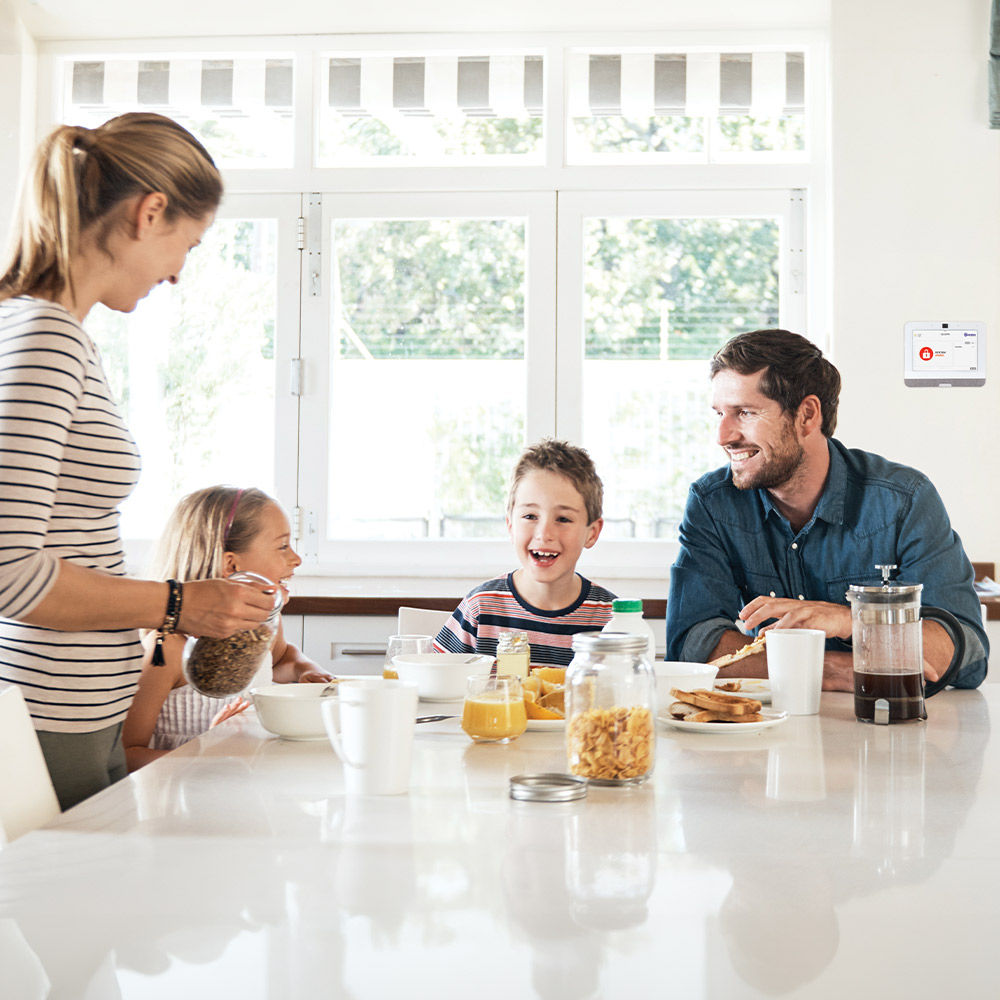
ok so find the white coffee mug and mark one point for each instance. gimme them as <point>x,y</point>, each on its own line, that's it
<point>370,724</point>
<point>795,669</point>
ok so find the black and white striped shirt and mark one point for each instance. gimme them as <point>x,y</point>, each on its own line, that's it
<point>66,462</point>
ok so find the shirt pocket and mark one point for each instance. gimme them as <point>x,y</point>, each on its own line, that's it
<point>837,587</point>
<point>757,583</point>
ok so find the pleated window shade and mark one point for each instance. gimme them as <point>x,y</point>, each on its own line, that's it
<point>487,86</point>
<point>637,85</point>
<point>230,87</point>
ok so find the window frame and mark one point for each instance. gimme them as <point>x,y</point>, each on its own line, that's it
<point>555,180</point>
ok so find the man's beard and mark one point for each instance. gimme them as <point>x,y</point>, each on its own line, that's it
<point>777,470</point>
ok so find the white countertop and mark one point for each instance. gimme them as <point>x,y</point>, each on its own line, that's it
<point>820,858</point>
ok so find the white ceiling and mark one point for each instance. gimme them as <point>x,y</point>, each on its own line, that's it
<point>48,20</point>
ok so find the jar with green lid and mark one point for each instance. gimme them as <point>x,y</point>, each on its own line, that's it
<point>626,616</point>
<point>610,709</point>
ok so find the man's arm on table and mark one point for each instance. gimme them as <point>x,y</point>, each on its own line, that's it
<point>835,620</point>
<point>838,665</point>
<point>931,553</point>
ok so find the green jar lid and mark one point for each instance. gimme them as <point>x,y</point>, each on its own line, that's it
<point>626,606</point>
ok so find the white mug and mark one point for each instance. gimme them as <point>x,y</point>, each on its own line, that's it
<point>795,669</point>
<point>370,724</point>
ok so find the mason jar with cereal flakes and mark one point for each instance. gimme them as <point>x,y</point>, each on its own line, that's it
<point>610,709</point>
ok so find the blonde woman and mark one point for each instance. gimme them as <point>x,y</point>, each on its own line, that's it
<point>105,215</point>
<point>212,533</point>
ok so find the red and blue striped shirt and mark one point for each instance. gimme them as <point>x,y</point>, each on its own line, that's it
<point>496,606</point>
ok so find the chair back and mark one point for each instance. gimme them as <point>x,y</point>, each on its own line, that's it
<point>420,621</point>
<point>27,798</point>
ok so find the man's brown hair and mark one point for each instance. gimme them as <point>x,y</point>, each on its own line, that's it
<point>792,367</point>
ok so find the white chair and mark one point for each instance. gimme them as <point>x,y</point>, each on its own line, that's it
<point>420,621</point>
<point>27,798</point>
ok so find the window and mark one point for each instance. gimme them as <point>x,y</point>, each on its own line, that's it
<point>430,109</point>
<point>239,107</point>
<point>439,249</point>
<point>194,367</point>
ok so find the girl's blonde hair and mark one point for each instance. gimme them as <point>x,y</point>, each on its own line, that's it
<point>79,179</point>
<point>203,527</point>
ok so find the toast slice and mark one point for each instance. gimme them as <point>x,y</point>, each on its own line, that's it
<point>682,710</point>
<point>719,717</point>
<point>718,701</point>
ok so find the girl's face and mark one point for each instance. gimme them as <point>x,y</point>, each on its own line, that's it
<point>270,552</point>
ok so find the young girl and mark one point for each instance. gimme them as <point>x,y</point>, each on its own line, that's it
<point>212,533</point>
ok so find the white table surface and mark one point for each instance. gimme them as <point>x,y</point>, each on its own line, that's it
<point>821,858</point>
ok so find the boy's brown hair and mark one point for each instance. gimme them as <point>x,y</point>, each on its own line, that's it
<point>550,455</point>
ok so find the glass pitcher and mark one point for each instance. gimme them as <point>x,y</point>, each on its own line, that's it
<point>887,636</point>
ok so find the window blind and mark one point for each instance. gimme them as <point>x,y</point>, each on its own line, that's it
<point>695,84</point>
<point>230,87</point>
<point>494,86</point>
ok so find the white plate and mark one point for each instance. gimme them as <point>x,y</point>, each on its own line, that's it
<point>751,687</point>
<point>723,728</point>
<point>544,725</point>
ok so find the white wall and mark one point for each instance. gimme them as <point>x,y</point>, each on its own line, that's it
<point>56,19</point>
<point>17,119</point>
<point>916,235</point>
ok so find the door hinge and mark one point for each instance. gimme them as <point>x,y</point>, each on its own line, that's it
<point>314,250</point>
<point>295,382</point>
<point>300,236</point>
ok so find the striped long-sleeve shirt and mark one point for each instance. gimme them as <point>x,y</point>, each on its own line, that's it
<point>66,463</point>
<point>496,607</point>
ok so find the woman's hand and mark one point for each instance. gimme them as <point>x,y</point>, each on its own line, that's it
<point>218,608</point>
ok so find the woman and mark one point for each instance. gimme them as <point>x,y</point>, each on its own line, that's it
<point>106,214</point>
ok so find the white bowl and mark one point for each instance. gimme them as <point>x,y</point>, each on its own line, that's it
<point>291,710</point>
<point>441,676</point>
<point>683,676</point>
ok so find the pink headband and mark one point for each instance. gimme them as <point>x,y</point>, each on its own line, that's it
<point>232,514</point>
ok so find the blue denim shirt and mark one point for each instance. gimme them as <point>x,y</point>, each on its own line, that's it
<point>735,546</point>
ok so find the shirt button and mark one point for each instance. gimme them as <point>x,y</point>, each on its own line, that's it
<point>801,598</point>
<point>795,545</point>
<point>772,593</point>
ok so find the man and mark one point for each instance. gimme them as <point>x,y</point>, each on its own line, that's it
<point>796,518</point>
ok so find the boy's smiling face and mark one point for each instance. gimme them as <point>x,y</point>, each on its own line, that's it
<point>549,528</point>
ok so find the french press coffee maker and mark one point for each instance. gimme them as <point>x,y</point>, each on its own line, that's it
<point>888,650</point>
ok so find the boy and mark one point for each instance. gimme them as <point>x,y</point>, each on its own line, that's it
<point>553,514</point>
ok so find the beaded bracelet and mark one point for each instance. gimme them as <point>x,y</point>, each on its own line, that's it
<point>170,620</point>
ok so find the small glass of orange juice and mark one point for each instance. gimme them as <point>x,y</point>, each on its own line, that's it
<point>494,709</point>
<point>399,644</point>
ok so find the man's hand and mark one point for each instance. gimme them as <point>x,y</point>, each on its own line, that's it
<point>838,670</point>
<point>833,619</point>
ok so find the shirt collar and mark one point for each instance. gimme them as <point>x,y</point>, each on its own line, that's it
<point>832,500</point>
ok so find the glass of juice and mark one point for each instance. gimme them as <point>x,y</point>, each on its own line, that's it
<point>494,709</point>
<point>399,644</point>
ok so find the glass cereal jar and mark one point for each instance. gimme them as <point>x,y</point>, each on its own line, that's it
<point>610,709</point>
<point>219,668</point>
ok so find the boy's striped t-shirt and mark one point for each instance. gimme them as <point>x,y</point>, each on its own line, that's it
<point>67,461</point>
<point>496,607</point>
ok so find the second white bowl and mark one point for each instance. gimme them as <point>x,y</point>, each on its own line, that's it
<point>683,676</point>
<point>441,676</point>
